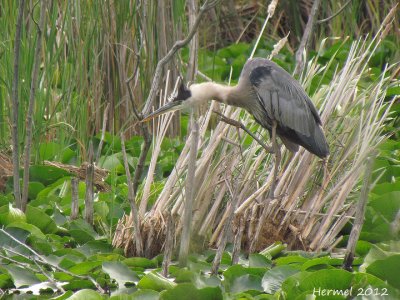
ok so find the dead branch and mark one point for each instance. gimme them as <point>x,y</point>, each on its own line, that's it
<point>131,196</point>
<point>194,44</point>
<point>74,198</point>
<point>80,172</point>
<point>335,14</point>
<point>145,133</point>
<point>227,228</point>
<point>89,198</point>
<point>359,218</point>
<point>306,36</point>
<point>169,244</point>
<point>208,4</point>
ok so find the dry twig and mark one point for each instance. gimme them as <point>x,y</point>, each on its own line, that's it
<point>168,245</point>
<point>89,197</point>
<point>131,196</point>
<point>360,213</point>
<point>208,4</point>
<point>335,14</point>
<point>74,198</point>
<point>306,36</point>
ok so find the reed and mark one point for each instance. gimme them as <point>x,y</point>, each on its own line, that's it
<point>316,198</point>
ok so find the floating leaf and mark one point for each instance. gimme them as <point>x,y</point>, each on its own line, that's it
<point>387,269</point>
<point>77,284</point>
<point>10,214</point>
<point>189,291</point>
<point>155,281</point>
<point>257,260</point>
<point>86,295</point>
<point>81,231</point>
<point>111,162</point>
<point>317,282</point>
<point>120,272</point>
<point>95,247</point>
<point>46,174</point>
<point>21,277</point>
<point>272,280</point>
<point>34,188</point>
<point>138,295</point>
<point>37,289</point>
<point>85,268</point>
<point>141,262</point>
<point>40,219</point>
<point>321,262</point>
<point>66,295</point>
<point>244,283</point>
<point>32,229</point>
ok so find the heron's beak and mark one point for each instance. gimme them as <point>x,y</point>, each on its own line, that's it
<point>169,107</point>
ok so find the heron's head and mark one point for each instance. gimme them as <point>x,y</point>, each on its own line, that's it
<point>177,102</point>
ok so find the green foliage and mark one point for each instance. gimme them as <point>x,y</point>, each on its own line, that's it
<point>69,249</point>
<point>76,249</point>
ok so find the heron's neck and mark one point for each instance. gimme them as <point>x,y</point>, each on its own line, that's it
<point>212,91</point>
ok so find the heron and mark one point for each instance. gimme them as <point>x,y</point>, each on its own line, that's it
<point>275,99</point>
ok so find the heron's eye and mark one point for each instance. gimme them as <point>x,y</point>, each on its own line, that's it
<point>172,97</point>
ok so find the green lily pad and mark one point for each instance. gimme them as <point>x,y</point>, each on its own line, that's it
<point>120,272</point>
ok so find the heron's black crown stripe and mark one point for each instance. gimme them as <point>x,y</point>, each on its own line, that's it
<point>183,93</point>
<point>258,74</point>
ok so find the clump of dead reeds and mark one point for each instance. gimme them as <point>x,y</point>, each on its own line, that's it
<point>316,198</point>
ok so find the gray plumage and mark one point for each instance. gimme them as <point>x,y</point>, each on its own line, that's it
<point>270,94</point>
<point>276,95</point>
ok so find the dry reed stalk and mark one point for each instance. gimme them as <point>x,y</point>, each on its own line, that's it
<point>161,130</point>
<point>134,216</point>
<point>300,53</point>
<point>271,11</point>
<point>89,196</point>
<point>237,243</point>
<point>103,133</point>
<point>227,227</point>
<point>189,193</point>
<point>74,198</point>
<point>208,4</point>
<point>353,121</point>
<point>169,244</point>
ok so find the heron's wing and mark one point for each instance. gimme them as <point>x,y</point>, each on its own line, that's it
<point>284,99</point>
<point>293,147</point>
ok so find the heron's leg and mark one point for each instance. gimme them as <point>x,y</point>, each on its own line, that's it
<point>238,124</point>
<point>278,157</point>
<point>271,194</point>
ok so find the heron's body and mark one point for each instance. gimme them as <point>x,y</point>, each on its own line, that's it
<point>271,95</point>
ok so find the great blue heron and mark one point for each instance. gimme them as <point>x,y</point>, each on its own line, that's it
<point>275,99</point>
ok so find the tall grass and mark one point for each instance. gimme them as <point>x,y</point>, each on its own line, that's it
<point>316,198</point>
<point>90,49</point>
